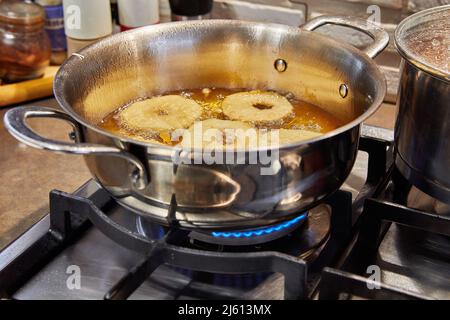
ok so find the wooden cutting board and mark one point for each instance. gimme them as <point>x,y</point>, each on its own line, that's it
<point>28,90</point>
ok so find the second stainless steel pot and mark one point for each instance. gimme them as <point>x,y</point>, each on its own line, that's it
<point>423,121</point>
<point>232,54</point>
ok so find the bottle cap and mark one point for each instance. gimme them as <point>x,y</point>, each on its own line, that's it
<point>46,3</point>
<point>191,8</point>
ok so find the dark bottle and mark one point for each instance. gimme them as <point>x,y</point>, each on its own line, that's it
<point>190,10</point>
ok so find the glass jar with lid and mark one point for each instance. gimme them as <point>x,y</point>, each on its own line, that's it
<point>24,44</point>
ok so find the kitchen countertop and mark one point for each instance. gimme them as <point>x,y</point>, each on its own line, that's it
<point>28,174</point>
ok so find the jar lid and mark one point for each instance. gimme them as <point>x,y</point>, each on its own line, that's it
<point>423,39</point>
<point>21,13</point>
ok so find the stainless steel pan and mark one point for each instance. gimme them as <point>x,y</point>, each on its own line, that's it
<point>422,128</point>
<point>215,53</point>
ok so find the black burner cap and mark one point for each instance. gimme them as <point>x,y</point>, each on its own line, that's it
<point>190,8</point>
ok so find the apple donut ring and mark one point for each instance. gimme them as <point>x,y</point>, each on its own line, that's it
<point>260,108</point>
<point>165,113</point>
<point>215,134</point>
<point>286,136</point>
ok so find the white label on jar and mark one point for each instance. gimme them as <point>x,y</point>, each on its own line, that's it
<point>138,13</point>
<point>87,19</point>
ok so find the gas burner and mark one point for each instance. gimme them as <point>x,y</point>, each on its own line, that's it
<point>249,236</point>
<point>302,236</point>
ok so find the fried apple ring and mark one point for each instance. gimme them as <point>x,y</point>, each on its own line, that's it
<point>165,113</point>
<point>217,134</point>
<point>260,108</point>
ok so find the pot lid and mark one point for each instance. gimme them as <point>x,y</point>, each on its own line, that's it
<point>424,40</point>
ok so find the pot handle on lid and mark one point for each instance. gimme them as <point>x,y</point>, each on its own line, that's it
<point>15,123</point>
<point>380,36</point>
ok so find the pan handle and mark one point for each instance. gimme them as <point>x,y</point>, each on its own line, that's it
<point>15,123</point>
<point>380,36</point>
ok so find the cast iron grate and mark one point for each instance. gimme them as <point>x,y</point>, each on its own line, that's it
<point>342,285</point>
<point>375,221</point>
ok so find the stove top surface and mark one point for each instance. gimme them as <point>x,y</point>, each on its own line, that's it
<point>101,263</point>
<point>405,249</point>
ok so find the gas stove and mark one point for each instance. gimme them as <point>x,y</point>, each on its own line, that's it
<point>368,240</point>
<point>121,255</point>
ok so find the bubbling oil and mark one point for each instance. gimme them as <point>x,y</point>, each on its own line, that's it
<point>306,116</point>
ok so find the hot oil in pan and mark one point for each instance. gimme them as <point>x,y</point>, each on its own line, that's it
<point>306,116</point>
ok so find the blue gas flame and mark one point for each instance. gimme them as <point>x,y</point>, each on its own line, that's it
<point>259,232</point>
